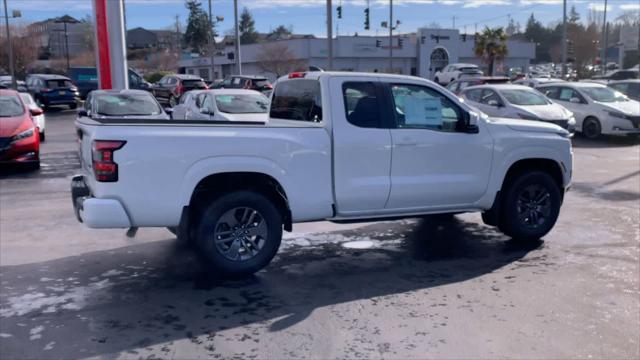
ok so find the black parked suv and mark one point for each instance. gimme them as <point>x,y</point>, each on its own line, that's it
<point>49,90</point>
<point>171,87</point>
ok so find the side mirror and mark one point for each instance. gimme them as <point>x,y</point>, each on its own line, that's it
<point>144,85</point>
<point>36,112</point>
<point>205,111</point>
<point>575,100</point>
<point>83,113</point>
<point>470,123</point>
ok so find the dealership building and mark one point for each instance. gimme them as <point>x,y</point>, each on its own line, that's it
<point>421,53</point>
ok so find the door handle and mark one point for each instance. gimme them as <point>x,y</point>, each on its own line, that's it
<point>407,142</point>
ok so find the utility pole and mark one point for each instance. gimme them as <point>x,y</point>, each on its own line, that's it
<point>390,36</point>
<point>238,62</point>
<point>603,61</point>
<point>454,21</point>
<point>329,36</point>
<point>211,44</point>
<point>564,39</point>
<point>10,48</point>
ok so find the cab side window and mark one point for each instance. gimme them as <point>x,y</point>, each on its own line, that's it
<point>361,104</point>
<point>206,102</point>
<point>550,92</point>
<point>489,97</point>
<point>566,94</point>
<point>474,95</point>
<point>424,108</point>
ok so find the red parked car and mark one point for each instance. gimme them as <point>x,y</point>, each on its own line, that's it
<point>19,137</point>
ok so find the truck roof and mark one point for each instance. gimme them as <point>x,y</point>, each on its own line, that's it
<point>315,75</point>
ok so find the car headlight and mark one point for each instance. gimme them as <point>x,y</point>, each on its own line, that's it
<point>23,135</point>
<point>617,114</point>
<point>572,120</point>
<point>526,116</point>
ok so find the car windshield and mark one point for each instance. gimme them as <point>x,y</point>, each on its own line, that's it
<point>524,97</point>
<point>604,94</point>
<point>242,104</point>
<point>10,106</point>
<point>26,98</point>
<point>126,104</point>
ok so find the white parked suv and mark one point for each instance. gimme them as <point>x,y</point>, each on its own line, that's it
<point>455,72</point>
<point>518,102</point>
<point>338,147</point>
<point>597,108</point>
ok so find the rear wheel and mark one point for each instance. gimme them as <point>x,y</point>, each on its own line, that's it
<point>239,233</point>
<point>172,101</point>
<point>591,128</point>
<point>42,137</point>
<point>531,206</point>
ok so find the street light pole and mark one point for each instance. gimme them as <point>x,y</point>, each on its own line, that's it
<point>10,48</point>
<point>603,61</point>
<point>329,36</point>
<point>390,36</point>
<point>238,62</point>
<point>564,39</point>
<point>211,44</point>
<point>66,44</point>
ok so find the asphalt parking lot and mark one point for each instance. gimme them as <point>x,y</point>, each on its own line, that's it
<point>427,288</point>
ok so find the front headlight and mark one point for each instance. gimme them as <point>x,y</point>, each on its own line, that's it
<point>572,120</point>
<point>616,114</point>
<point>526,116</point>
<point>23,135</point>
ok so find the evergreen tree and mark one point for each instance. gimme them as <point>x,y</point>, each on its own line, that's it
<point>199,29</point>
<point>247,29</point>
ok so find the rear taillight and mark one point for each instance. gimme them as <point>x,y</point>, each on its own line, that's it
<point>104,168</point>
<point>179,89</point>
<point>45,89</point>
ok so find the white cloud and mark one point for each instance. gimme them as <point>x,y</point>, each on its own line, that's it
<point>540,2</point>
<point>479,3</point>
<point>598,7</point>
<point>635,6</point>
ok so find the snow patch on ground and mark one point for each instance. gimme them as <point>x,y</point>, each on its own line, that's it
<point>113,272</point>
<point>49,346</point>
<point>5,335</point>
<point>73,298</point>
<point>35,333</point>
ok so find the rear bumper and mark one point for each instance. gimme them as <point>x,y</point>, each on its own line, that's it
<point>96,213</point>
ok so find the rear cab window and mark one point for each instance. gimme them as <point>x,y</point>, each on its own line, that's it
<point>298,99</point>
<point>56,84</point>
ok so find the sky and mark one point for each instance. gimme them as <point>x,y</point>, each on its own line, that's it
<point>308,16</point>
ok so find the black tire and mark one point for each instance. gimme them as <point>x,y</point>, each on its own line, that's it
<point>528,215</point>
<point>210,222</point>
<point>43,138</point>
<point>172,101</point>
<point>591,128</point>
<point>73,106</point>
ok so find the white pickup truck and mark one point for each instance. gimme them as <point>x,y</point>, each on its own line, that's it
<point>337,146</point>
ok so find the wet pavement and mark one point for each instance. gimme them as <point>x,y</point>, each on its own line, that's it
<point>435,287</point>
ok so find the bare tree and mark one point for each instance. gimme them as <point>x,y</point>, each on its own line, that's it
<point>276,58</point>
<point>25,50</point>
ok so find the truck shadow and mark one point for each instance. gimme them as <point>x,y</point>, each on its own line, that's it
<point>149,295</point>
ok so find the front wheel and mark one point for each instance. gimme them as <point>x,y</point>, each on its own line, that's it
<point>531,206</point>
<point>591,128</point>
<point>172,101</point>
<point>239,233</point>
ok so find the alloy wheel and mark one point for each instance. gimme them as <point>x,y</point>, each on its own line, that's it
<point>240,233</point>
<point>533,206</point>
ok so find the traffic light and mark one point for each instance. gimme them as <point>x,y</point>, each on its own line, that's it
<point>378,43</point>
<point>400,41</point>
<point>339,9</point>
<point>366,19</point>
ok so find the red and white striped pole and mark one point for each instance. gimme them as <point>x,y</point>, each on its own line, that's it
<point>110,47</point>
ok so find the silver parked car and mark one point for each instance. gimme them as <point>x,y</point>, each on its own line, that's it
<point>132,104</point>
<point>223,105</point>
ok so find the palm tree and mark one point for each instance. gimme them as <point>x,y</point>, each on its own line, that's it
<point>491,45</point>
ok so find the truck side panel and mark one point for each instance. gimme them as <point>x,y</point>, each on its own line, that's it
<point>160,166</point>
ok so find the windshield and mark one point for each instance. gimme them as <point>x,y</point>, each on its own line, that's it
<point>126,104</point>
<point>10,106</point>
<point>26,98</point>
<point>604,94</point>
<point>524,97</point>
<point>242,104</point>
